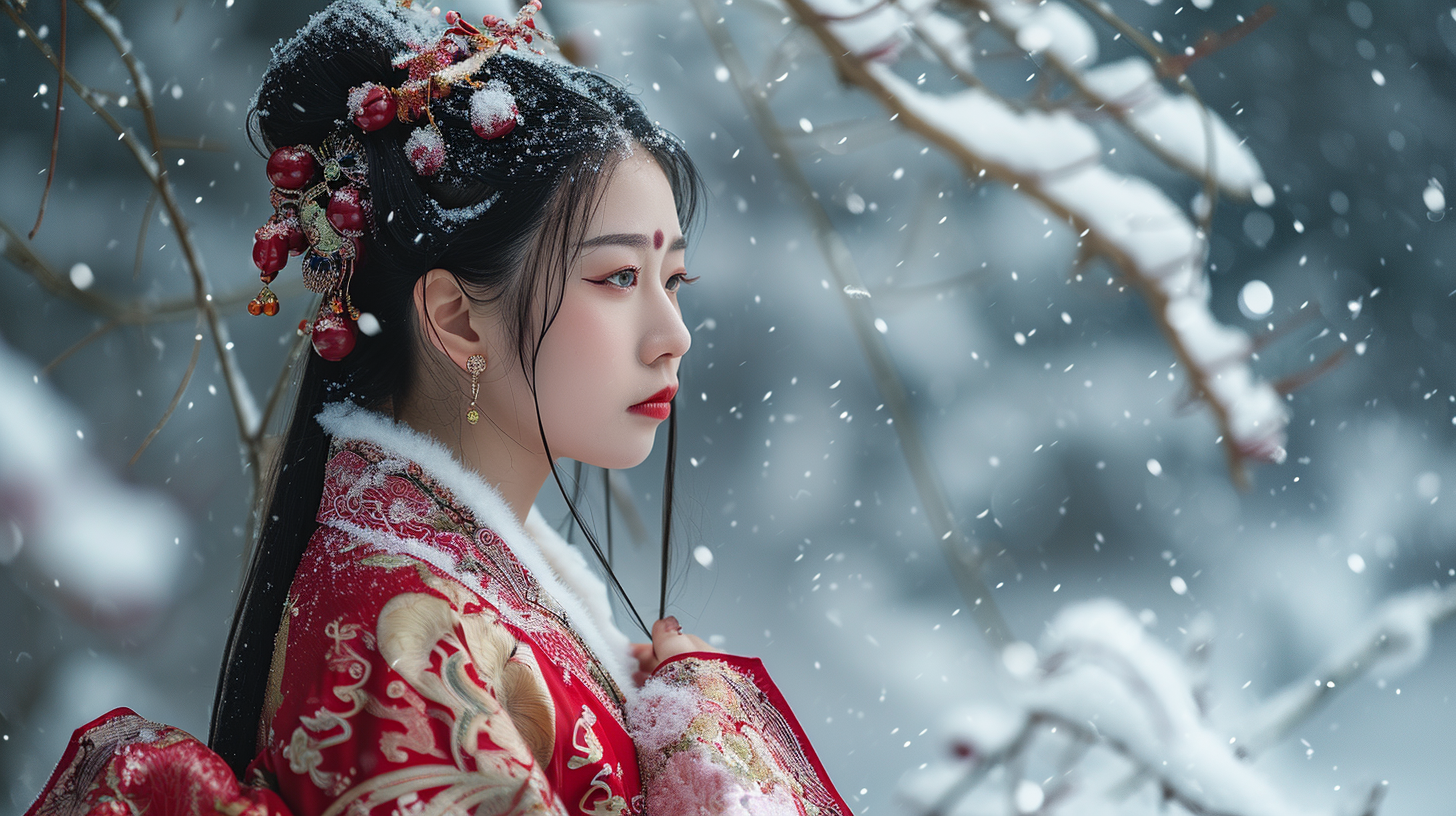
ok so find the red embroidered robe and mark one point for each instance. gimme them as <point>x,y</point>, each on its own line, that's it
<point>435,657</point>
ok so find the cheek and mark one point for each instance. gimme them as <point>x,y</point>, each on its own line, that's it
<point>585,381</point>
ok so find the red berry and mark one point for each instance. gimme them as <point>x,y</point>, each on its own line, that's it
<point>346,211</point>
<point>270,252</point>
<point>333,337</point>
<point>270,308</point>
<point>291,168</point>
<point>254,307</point>
<point>375,109</point>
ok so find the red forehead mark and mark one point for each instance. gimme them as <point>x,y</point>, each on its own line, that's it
<point>657,240</point>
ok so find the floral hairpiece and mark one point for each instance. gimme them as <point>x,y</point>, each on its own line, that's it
<point>320,195</point>
<point>435,70</point>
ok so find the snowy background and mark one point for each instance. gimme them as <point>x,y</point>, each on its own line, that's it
<point>1052,404</point>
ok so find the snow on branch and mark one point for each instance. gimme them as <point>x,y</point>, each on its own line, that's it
<point>1395,639</point>
<point>1114,717</point>
<point>1052,156</point>
<point>107,552</point>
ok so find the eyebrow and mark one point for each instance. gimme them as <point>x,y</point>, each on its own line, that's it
<point>632,240</point>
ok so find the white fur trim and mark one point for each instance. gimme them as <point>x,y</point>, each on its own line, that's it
<point>558,568</point>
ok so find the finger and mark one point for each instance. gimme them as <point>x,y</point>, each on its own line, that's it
<point>665,627</point>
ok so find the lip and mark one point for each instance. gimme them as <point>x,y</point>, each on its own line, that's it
<point>657,406</point>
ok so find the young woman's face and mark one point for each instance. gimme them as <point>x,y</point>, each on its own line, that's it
<point>608,364</point>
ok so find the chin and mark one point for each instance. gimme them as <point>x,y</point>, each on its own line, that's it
<point>627,453</point>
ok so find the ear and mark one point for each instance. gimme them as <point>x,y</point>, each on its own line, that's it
<point>444,314</point>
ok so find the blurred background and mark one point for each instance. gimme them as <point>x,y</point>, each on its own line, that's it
<point>1054,410</point>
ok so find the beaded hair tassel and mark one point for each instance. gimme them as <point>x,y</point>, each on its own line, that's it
<point>320,211</point>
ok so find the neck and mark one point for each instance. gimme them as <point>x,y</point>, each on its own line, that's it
<point>516,470</point>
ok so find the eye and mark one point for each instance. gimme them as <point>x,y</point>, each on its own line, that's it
<point>679,280</point>
<point>621,279</point>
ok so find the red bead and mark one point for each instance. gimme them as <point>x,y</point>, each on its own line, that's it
<point>346,211</point>
<point>297,241</point>
<point>376,109</point>
<point>254,307</point>
<point>333,337</point>
<point>270,308</point>
<point>270,251</point>
<point>291,168</point>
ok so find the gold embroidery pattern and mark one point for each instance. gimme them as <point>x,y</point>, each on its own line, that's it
<point>585,741</point>
<point>400,496</point>
<point>608,803</point>
<point>494,700</point>
<point>305,751</point>
<point>739,729</point>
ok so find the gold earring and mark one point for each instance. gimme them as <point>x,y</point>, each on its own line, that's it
<point>475,364</point>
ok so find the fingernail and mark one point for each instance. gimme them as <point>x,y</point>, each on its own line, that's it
<point>672,621</point>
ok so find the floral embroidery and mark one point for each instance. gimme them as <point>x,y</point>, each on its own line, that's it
<point>453,652</point>
<point>709,740</point>
<point>365,485</point>
<point>122,764</point>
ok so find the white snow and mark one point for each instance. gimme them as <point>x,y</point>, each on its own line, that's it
<point>110,553</point>
<point>1176,126</point>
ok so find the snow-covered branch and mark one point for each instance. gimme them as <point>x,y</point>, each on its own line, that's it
<point>107,552</point>
<point>1396,639</point>
<point>1056,159</point>
<point>1122,712</point>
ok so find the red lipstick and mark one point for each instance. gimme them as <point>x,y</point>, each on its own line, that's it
<point>657,406</point>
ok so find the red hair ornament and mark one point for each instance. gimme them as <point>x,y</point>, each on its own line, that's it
<point>320,195</point>
<point>320,211</point>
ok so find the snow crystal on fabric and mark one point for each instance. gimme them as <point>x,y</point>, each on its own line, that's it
<point>662,714</point>
<point>691,784</point>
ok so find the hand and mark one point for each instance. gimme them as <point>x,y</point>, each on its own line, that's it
<point>668,640</point>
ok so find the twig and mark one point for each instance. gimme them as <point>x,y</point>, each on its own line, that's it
<point>245,407</point>
<point>176,398</point>
<point>962,555</point>
<point>983,767</point>
<point>136,266</point>
<point>56,130</point>
<point>1213,42</point>
<point>99,331</point>
<point>18,252</point>
<point>1297,701</point>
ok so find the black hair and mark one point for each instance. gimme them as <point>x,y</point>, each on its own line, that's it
<point>498,214</point>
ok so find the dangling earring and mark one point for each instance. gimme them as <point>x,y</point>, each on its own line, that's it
<point>475,364</point>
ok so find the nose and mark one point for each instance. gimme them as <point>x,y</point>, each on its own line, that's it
<point>666,336</point>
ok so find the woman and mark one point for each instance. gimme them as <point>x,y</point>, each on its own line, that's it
<point>412,638</point>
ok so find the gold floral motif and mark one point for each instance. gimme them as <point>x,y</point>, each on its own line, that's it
<point>500,713</point>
